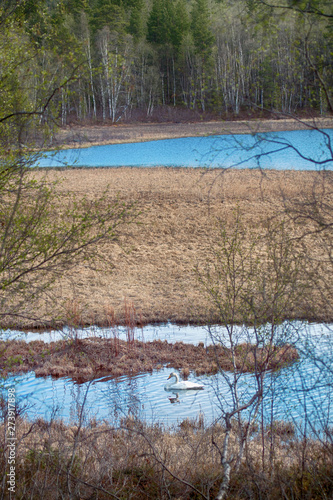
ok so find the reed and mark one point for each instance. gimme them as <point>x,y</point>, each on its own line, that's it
<point>111,324</point>
<point>130,321</point>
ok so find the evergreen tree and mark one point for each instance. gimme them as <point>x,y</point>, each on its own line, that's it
<point>180,24</point>
<point>157,27</point>
<point>168,23</point>
<point>201,27</point>
<point>136,23</point>
<point>167,26</point>
<point>109,13</point>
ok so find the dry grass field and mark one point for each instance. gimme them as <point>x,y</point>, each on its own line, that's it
<point>85,136</point>
<point>151,267</point>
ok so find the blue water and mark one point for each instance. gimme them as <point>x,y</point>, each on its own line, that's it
<point>299,150</point>
<point>301,394</point>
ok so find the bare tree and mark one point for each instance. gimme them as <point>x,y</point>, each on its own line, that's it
<point>254,282</point>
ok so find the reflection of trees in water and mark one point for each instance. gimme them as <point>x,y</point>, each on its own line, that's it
<point>313,384</point>
<point>301,394</point>
<point>81,408</point>
<point>123,399</point>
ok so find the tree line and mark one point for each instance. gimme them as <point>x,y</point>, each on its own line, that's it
<point>119,59</point>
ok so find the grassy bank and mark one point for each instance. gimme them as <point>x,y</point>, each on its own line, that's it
<point>84,136</point>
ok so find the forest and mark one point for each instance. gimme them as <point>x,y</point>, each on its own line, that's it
<point>128,60</point>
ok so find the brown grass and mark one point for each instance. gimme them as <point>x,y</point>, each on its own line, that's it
<point>85,136</point>
<point>152,264</point>
<point>139,462</point>
<point>95,357</point>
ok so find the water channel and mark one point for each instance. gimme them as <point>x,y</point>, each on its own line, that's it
<point>299,391</point>
<point>298,149</point>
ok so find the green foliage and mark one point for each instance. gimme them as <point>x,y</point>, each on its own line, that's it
<point>167,23</point>
<point>137,22</point>
<point>200,27</point>
<point>12,361</point>
<point>17,70</point>
<point>109,13</point>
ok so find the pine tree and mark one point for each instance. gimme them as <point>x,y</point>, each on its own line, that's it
<point>109,13</point>
<point>157,29</point>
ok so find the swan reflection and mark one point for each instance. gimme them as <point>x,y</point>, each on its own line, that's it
<point>174,399</point>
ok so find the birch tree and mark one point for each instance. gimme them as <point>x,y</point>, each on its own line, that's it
<point>252,280</point>
<point>116,70</point>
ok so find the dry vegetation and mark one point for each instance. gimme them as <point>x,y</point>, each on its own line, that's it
<point>83,359</point>
<point>152,264</point>
<point>85,136</point>
<point>139,462</point>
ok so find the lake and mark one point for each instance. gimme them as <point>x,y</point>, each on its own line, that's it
<point>300,393</point>
<point>298,149</point>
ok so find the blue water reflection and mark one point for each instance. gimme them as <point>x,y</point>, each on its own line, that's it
<point>298,149</point>
<point>143,396</point>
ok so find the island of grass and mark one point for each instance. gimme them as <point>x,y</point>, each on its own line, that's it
<point>84,359</point>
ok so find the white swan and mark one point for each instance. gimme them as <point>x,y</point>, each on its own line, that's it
<point>183,385</point>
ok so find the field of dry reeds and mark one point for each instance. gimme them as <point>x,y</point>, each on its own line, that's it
<point>152,264</point>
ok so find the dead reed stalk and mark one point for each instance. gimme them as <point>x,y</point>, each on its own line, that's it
<point>130,321</point>
<point>111,323</point>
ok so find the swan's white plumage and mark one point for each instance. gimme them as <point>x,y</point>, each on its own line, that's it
<point>183,385</point>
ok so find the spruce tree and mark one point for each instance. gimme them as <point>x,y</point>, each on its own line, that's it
<point>201,28</point>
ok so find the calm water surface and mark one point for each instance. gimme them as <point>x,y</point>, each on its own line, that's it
<point>305,385</point>
<point>276,150</point>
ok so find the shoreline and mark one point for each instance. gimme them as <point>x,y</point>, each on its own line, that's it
<point>78,136</point>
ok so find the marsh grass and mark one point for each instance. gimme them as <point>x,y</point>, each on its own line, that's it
<point>112,325</point>
<point>152,263</point>
<point>74,136</point>
<point>137,461</point>
<point>83,359</point>
<point>130,321</point>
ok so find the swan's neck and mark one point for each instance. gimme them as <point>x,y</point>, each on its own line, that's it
<point>176,377</point>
